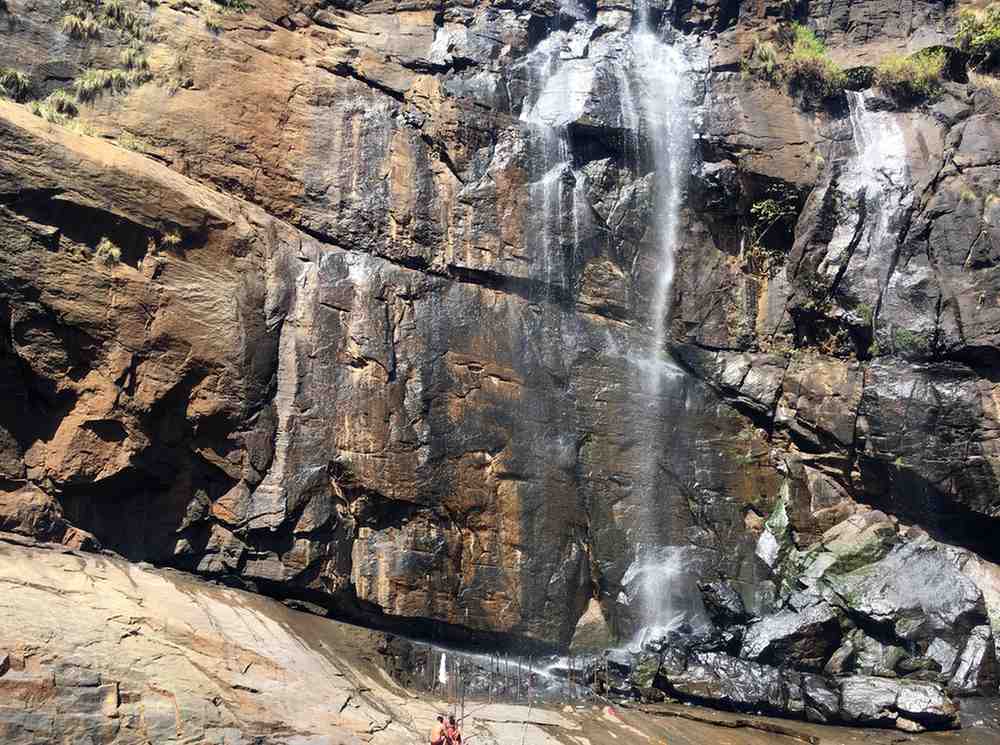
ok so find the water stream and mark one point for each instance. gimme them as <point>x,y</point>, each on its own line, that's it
<point>657,577</point>
<point>876,195</point>
<point>653,97</point>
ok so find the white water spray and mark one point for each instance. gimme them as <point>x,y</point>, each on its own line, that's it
<point>443,671</point>
<point>652,78</point>
<point>879,166</point>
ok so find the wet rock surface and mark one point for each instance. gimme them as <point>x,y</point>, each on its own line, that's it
<point>160,656</point>
<point>376,342</point>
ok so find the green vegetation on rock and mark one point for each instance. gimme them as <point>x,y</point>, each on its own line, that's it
<point>800,60</point>
<point>911,342</point>
<point>978,36</point>
<point>809,65</point>
<point>81,27</point>
<point>912,78</point>
<point>94,82</point>
<point>107,252</point>
<point>761,258</point>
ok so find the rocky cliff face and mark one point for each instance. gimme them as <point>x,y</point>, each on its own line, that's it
<point>307,302</point>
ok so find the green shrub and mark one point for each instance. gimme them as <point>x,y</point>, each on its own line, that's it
<point>120,16</point>
<point>809,67</point>
<point>912,78</point>
<point>85,27</point>
<point>212,22</point>
<point>912,342</point>
<point>134,59</point>
<point>130,142</point>
<point>866,313</point>
<point>239,6</point>
<point>171,238</point>
<point>978,36</point>
<point>761,257</point>
<point>14,84</point>
<point>46,112</point>
<point>107,252</point>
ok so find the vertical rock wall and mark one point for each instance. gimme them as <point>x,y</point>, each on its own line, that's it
<point>346,356</point>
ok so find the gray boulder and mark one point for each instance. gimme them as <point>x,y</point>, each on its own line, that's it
<point>722,681</point>
<point>730,682</point>
<point>803,639</point>
<point>911,706</point>
<point>822,699</point>
<point>977,667</point>
<point>916,591</point>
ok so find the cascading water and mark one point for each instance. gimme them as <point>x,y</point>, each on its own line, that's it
<point>876,195</point>
<point>563,79</point>
<point>659,580</point>
<point>879,166</point>
<point>652,80</point>
<point>662,71</point>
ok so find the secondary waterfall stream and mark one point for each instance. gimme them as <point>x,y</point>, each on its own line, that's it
<point>876,194</point>
<point>653,95</point>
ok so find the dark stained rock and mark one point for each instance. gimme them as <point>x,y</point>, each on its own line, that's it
<point>882,702</point>
<point>977,669</point>
<point>743,685</point>
<point>730,682</point>
<point>822,699</point>
<point>800,638</point>
<point>722,603</point>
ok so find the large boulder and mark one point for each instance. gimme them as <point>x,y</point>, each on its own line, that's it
<point>883,702</point>
<point>720,680</point>
<point>802,637</point>
<point>915,590</point>
<point>722,603</point>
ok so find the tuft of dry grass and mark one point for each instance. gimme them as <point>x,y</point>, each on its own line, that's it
<point>14,84</point>
<point>81,27</point>
<point>107,252</point>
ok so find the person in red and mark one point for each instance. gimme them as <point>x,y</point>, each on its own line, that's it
<point>452,732</point>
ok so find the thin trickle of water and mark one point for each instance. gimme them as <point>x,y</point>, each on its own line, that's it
<point>662,71</point>
<point>875,181</point>
<point>881,148</point>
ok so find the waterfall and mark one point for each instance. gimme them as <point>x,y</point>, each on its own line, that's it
<point>659,579</point>
<point>879,165</point>
<point>662,70</point>
<point>652,80</point>
<point>876,195</point>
